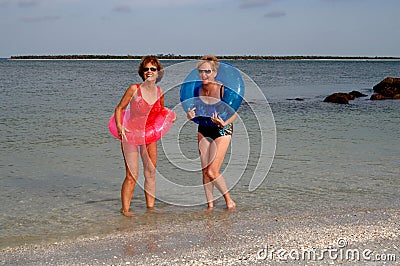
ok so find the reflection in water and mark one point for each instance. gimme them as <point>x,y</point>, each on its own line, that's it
<point>146,233</point>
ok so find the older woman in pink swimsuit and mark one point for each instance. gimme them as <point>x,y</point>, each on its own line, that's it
<point>146,101</point>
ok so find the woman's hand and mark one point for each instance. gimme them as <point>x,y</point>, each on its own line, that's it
<point>191,113</point>
<point>121,133</point>
<point>218,120</point>
<point>174,119</point>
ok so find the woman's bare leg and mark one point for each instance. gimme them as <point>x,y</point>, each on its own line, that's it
<point>213,170</point>
<point>131,156</point>
<point>149,157</point>
<point>205,158</point>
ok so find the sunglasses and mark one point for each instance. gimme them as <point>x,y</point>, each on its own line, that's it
<point>152,69</point>
<point>205,71</point>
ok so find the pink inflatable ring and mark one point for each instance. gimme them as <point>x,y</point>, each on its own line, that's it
<point>140,133</point>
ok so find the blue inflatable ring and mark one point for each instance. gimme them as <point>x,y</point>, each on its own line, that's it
<point>233,95</point>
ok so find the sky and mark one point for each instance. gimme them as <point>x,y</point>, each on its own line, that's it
<point>197,27</point>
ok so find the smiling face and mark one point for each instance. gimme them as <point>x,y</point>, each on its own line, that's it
<point>151,68</point>
<point>207,72</point>
<point>150,72</point>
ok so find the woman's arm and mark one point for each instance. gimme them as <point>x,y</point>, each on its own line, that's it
<point>230,120</point>
<point>218,120</point>
<point>162,98</point>
<point>129,93</point>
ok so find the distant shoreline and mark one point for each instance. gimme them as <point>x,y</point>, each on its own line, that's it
<point>194,57</point>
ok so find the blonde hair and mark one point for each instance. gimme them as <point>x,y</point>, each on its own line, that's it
<point>210,59</point>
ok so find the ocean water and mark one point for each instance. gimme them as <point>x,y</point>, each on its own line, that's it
<point>61,170</point>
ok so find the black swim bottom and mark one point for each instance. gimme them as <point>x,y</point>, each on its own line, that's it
<point>215,132</point>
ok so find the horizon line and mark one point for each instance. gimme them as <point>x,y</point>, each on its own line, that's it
<point>174,56</point>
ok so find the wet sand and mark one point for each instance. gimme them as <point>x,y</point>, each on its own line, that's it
<point>231,238</point>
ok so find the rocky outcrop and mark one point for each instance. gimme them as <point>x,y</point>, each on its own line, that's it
<point>343,98</point>
<point>339,97</point>
<point>358,94</point>
<point>389,88</point>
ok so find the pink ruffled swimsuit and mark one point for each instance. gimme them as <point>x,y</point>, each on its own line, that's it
<point>144,121</point>
<point>141,112</point>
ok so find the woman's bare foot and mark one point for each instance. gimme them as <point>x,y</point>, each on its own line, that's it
<point>230,204</point>
<point>127,213</point>
<point>209,209</point>
<point>153,210</point>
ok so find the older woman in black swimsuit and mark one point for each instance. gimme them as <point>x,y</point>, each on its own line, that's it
<point>213,137</point>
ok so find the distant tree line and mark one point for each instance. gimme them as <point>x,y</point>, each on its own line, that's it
<point>189,57</point>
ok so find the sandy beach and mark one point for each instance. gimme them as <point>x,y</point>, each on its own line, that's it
<point>231,238</point>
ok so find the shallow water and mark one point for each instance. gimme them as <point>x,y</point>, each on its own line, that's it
<point>61,170</point>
